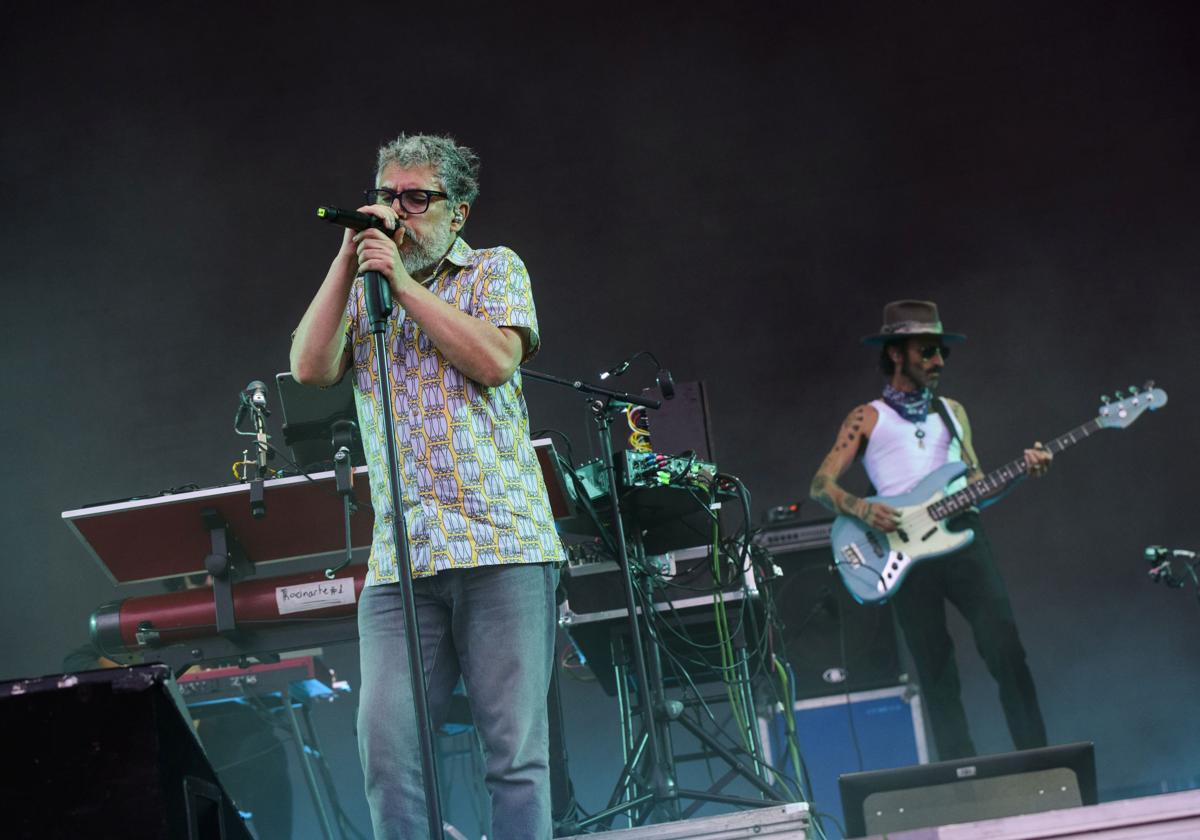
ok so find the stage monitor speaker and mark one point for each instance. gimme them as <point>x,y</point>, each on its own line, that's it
<point>107,753</point>
<point>834,644</point>
<point>968,789</point>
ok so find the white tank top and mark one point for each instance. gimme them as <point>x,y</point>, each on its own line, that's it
<point>895,460</point>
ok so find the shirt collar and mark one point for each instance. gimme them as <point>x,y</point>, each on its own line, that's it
<point>460,253</point>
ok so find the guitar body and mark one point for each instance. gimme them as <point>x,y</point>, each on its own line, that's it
<point>873,563</point>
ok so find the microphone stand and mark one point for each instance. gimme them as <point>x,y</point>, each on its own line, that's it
<point>634,793</point>
<point>344,432</point>
<point>662,784</point>
<point>379,306</point>
<point>258,502</point>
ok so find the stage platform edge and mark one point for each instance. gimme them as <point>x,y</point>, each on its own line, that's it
<point>1168,816</point>
<point>778,821</point>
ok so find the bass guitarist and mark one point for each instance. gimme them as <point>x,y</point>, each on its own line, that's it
<point>902,437</point>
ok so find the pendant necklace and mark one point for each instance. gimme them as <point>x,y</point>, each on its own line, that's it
<point>911,406</point>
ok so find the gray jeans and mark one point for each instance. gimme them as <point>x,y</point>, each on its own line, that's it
<point>494,626</point>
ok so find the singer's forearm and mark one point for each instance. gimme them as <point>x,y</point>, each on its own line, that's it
<point>483,352</point>
<point>318,349</point>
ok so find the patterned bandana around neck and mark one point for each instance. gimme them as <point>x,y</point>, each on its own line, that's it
<point>913,406</point>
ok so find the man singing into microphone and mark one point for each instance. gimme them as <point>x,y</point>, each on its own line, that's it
<point>484,552</point>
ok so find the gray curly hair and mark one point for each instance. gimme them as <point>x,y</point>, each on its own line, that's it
<point>457,166</point>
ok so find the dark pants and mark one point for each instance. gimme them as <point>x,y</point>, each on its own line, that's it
<point>970,580</point>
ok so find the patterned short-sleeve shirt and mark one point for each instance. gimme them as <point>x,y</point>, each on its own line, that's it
<point>473,490</point>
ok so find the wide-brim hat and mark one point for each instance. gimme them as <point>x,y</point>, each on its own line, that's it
<point>904,318</point>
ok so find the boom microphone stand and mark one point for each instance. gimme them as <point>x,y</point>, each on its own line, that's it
<point>379,306</point>
<point>661,785</point>
<point>655,713</point>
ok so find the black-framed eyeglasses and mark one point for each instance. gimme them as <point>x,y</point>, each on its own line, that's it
<point>930,350</point>
<point>413,201</point>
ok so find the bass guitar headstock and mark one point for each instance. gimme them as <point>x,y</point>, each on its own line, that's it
<point>1121,409</point>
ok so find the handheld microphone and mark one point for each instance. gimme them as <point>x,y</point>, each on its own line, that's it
<point>353,219</point>
<point>379,294</point>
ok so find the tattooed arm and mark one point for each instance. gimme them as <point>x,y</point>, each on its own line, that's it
<point>851,440</point>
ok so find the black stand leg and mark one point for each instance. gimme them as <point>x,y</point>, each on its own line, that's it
<point>307,759</point>
<point>343,473</point>
<point>223,565</point>
<point>661,784</point>
<point>379,307</point>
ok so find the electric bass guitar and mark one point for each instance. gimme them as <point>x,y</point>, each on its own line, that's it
<point>873,563</point>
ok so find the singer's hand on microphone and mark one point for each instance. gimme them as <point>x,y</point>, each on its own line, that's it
<point>350,239</point>
<point>376,251</point>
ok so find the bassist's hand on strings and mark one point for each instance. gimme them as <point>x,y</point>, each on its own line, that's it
<point>1038,460</point>
<point>877,515</point>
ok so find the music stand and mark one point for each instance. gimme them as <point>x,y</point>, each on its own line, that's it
<point>213,531</point>
<point>167,536</point>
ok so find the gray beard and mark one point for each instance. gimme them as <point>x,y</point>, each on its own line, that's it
<point>421,256</point>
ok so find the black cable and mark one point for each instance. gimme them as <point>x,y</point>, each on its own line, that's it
<point>846,670</point>
<point>703,704</point>
<point>688,640</point>
<point>680,671</point>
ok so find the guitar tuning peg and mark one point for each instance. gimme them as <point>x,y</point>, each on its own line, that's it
<point>1132,390</point>
<point>1149,386</point>
<point>1104,399</point>
<point>1117,396</point>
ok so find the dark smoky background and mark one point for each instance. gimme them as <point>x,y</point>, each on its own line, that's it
<point>739,192</point>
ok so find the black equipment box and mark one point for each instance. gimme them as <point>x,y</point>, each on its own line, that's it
<point>107,753</point>
<point>822,620</point>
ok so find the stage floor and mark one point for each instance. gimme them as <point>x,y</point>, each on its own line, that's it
<point>1169,816</point>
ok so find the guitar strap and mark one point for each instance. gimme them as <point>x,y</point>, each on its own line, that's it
<point>939,404</point>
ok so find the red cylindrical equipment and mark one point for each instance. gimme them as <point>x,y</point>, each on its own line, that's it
<point>191,614</point>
